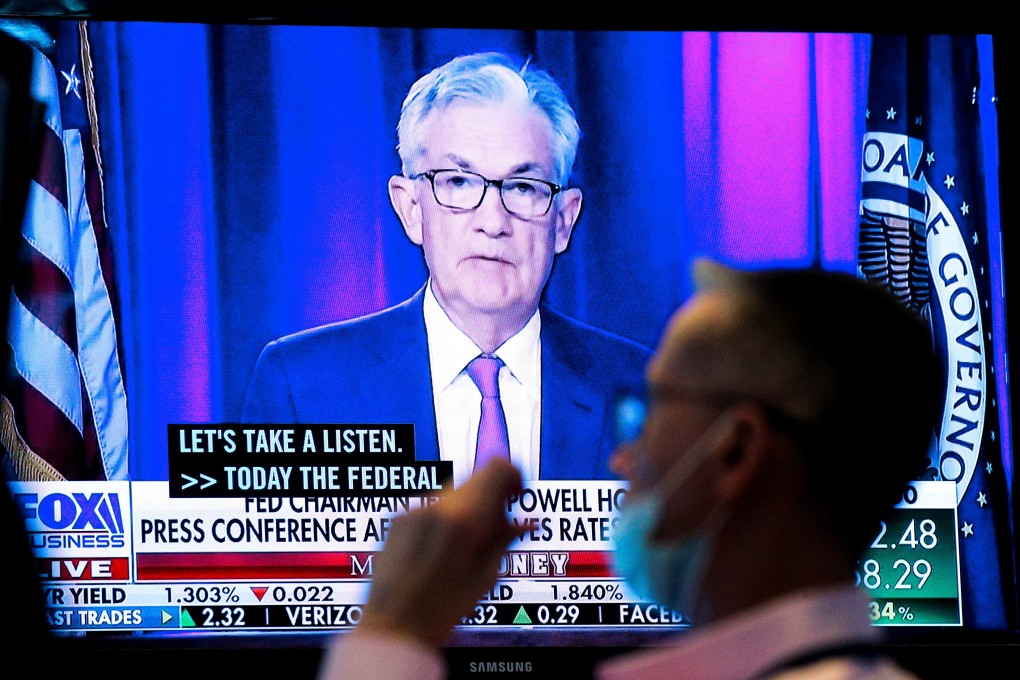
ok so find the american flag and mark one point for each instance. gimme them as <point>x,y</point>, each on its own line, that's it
<point>63,411</point>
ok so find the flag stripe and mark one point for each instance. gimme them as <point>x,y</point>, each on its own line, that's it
<point>46,90</point>
<point>94,192</point>
<point>94,197</point>
<point>46,227</point>
<point>41,358</point>
<point>46,431</point>
<point>91,452</point>
<point>47,293</point>
<point>50,173</point>
<point>100,365</point>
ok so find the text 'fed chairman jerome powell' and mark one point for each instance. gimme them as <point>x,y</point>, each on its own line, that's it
<point>474,359</point>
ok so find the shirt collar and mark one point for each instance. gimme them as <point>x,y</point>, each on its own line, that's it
<point>450,349</point>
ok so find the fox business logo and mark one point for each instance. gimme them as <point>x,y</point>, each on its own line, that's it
<point>73,520</point>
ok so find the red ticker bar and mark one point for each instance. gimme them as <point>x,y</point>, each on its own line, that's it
<point>275,566</point>
<point>346,565</point>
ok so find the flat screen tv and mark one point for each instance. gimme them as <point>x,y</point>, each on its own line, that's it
<point>206,187</point>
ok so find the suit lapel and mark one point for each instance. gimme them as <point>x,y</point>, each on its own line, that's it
<point>572,413</point>
<point>405,376</point>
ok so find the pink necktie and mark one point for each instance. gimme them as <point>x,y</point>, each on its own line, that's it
<point>493,440</point>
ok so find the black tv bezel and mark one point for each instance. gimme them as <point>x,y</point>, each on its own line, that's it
<point>930,651</point>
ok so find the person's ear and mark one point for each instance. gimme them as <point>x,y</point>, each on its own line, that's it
<point>568,209</point>
<point>404,199</point>
<point>743,456</point>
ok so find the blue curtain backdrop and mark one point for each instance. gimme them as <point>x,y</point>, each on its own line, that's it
<point>246,171</point>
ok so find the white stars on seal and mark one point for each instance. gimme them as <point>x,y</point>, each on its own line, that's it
<point>967,529</point>
<point>965,209</point>
<point>930,158</point>
<point>890,114</point>
<point>982,500</point>
<point>988,468</point>
<point>975,238</point>
<point>72,81</point>
<point>949,181</point>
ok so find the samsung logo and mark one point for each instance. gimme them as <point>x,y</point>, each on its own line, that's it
<point>499,667</point>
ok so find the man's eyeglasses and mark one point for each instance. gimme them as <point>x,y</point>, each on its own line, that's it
<point>630,411</point>
<point>523,197</point>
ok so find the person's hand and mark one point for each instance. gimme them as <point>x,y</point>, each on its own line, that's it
<point>439,560</point>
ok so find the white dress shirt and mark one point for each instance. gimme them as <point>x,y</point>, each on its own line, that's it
<point>458,401</point>
<point>754,644</point>
<point>742,647</point>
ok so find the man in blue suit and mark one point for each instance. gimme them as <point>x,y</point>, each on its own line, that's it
<point>473,360</point>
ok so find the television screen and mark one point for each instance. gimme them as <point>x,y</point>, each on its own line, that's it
<point>206,437</point>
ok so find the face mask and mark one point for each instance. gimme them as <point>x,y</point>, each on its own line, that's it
<point>668,573</point>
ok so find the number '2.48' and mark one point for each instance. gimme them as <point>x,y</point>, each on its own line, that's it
<point>915,534</point>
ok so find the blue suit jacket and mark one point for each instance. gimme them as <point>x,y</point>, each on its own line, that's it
<point>375,369</point>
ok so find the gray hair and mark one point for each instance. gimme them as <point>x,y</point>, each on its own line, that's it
<point>482,78</point>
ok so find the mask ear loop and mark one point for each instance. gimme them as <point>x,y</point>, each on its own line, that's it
<point>677,475</point>
<point>697,453</point>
